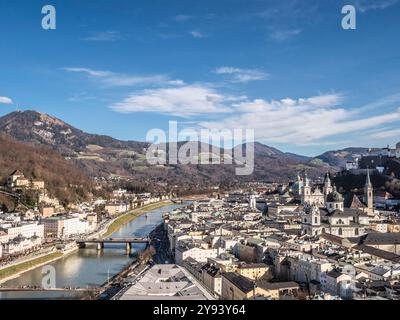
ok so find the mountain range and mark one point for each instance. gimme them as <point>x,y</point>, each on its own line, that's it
<point>104,156</point>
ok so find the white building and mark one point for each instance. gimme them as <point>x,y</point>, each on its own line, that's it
<point>29,230</point>
<point>336,283</point>
<point>352,165</point>
<point>63,227</point>
<point>25,230</point>
<point>306,268</point>
<point>183,251</point>
<point>21,245</point>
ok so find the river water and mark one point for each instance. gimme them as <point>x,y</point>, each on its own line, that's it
<point>89,267</point>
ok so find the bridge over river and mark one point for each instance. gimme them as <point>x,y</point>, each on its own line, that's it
<point>100,242</point>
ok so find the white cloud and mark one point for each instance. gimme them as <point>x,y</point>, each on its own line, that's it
<point>105,36</point>
<point>242,75</point>
<point>5,100</point>
<point>183,101</point>
<point>109,78</point>
<point>282,35</point>
<point>385,134</point>
<point>367,5</point>
<point>301,121</point>
<point>197,34</point>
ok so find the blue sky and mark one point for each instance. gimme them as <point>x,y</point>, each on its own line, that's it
<point>283,68</point>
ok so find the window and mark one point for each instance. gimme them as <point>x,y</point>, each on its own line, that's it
<point>356,231</point>
<point>316,220</point>
<point>340,232</point>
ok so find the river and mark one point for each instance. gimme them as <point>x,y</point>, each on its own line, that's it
<point>90,267</point>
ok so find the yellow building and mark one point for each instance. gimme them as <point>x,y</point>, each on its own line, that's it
<point>393,226</point>
<point>47,211</point>
<point>277,290</point>
<point>37,184</point>
<point>114,209</point>
<point>254,271</point>
<point>237,287</point>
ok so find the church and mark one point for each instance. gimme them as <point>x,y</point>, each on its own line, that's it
<point>324,212</point>
<point>314,196</point>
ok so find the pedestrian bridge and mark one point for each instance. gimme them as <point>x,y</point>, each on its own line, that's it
<point>100,242</point>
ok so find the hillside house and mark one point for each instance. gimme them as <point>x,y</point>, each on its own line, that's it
<point>17,179</point>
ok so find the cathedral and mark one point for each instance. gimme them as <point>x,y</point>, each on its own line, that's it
<point>314,195</point>
<point>324,212</point>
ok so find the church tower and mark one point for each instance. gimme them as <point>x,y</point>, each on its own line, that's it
<point>306,189</point>
<point>253,201</point>
<point>327,185</point>
<point>299,184</point>
<point>369,194</point>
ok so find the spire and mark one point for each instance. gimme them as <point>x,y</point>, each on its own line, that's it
<point>306,181</point>
<point>368,194</point>
<point>368,180</point>
<point>327,179</point>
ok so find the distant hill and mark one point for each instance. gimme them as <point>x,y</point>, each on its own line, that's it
<point>338,158</point>
<point>37,127</point>
<point>62,178</point>
<point>104,156</point>
<point>298,157</point>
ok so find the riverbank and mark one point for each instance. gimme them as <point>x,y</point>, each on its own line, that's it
<point>16,270</point>
<point>127,217</point>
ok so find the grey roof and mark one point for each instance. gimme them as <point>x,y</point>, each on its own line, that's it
<point>354,202</point>
<point>166,282</point>
<point>331,237</point>
<point>378,253</point>
<point>334,273</point>
<point>377,238</point>
<point>347,212</point>
<point>239,281</point>
<point>210,269</point>
<point>253,265</point>
<point>277,285</point>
